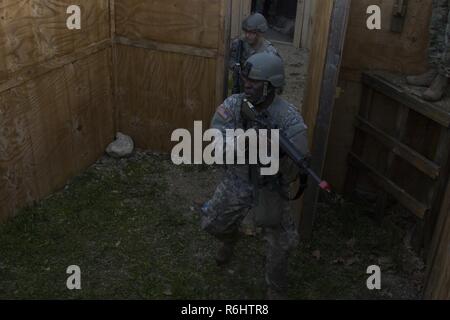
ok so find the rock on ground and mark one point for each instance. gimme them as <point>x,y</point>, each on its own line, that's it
<point>122,147</point>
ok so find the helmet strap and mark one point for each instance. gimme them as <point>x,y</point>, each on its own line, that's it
<point>268,91</point>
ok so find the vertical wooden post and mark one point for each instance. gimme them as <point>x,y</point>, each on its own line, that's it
<point>308,22</point>
<point>113,69</point>
<point>299,18</point>
<point>442,157</point>
<point>239,10</point>
<point>319,114</point>
<point>438,270</point>
<point>228,25</point>
<point>221,69</point>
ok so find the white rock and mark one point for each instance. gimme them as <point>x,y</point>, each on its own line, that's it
<point>122,147</point>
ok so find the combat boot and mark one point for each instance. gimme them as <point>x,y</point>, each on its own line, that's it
<point>225,253</point>
<point>424,79</point>
<point>437,89</point>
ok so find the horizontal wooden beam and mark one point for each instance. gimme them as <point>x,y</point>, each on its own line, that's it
<point>413,157</point>
<point>425,108</point>
<point>167,47</point>
<point>37,70</point>
<point>416,207</point>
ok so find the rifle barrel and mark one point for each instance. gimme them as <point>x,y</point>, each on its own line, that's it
<point>291,150</point>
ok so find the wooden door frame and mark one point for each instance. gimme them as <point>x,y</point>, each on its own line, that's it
<point>239,10</point>
<point>322,105</point>
<point>318,109</point>
<point>303,23</point>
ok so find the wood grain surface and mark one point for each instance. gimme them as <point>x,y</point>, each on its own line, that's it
<point>52,128</point>
<point>194,22</point>
<point>34,31</point>
<point>158,92</point>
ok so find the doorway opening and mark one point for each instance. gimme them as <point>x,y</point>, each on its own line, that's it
<point>281,16</point>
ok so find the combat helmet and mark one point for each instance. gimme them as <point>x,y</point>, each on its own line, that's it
<point>265,67</point>
<point>255,22</point>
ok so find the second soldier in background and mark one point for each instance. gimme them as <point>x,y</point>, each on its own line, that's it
<point>253,41</point>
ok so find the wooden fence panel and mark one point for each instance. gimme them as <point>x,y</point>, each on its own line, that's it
<point>56,110</point>
<point>170,66</point>
<point>438,285</point>
<point>32,32</point>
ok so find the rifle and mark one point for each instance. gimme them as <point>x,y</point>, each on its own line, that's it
<point>237,70</point>
<point>250,114</point>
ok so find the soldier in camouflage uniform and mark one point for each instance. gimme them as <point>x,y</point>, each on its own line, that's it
<point>243,188</point>
<point>253,41</point>
<point>436,78</point>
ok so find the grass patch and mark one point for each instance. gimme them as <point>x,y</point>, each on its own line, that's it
<point>135,238</point>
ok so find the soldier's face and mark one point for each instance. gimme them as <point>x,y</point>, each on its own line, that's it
<point>254,89</point>
<point>251,37</point>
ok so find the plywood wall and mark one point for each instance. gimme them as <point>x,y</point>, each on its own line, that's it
<point>383,49</point>
<point>170,66</point>
<point>365,49</point>
<point>306,17</point>
<point>331,17</point>
<point>143,67</point>
<point>318,54</point>
<point>35,31</point>
<point>240,10</point>
<point>56,113</point>
<point>438,284</point>
<point>159,92</point>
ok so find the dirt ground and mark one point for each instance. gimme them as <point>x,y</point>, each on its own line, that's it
<point>296,69</point>
<point>132,226</point>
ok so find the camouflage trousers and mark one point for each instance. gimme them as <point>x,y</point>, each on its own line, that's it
<point>223,214</point>
<point>439,52</point>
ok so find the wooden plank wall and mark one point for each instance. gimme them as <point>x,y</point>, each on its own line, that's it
<point>35,31</point>
<point>330,28</point>
<point>240,10</point>
<point>170,58</point>
<point>438,284</point>
<point>383,49</point>
<point>372,50</point>
<point>55,96</point>
<point>315,76</point>
<point>306,15</point>
<point>317,64</point>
